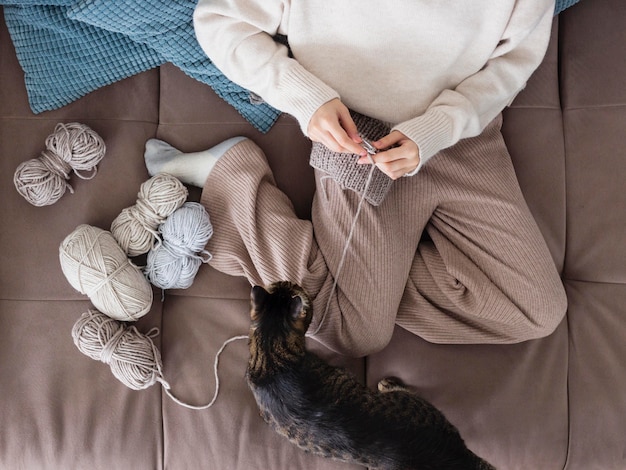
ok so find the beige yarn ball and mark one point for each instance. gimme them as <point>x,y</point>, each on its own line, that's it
<point>38,184</point>
<point>134,359</point>
<point>135,229</point>
<point>95,265</point>
<point>71,147</point>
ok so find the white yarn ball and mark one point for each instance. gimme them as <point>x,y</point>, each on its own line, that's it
<point>166,270</point>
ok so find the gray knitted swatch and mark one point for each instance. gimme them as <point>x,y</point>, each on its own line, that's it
<point>345,170</point>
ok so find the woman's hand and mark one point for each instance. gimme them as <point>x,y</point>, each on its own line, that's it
<point>333,126</point>
<point>401,157</point>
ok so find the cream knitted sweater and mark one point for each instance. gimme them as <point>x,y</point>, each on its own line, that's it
<point>438,71</point>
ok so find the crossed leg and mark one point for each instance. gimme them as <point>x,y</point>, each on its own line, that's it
<point>485,274</point>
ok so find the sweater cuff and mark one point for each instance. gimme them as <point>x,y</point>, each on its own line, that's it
<point>302,94</point>
<point>431,132</point>
<point>417,169</point>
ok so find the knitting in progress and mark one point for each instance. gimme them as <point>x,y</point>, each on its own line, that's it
<point>344,169</point>
<point>95,265</point>
<point>135,229</point>
<point>174,262</point>
<point>71,147</point>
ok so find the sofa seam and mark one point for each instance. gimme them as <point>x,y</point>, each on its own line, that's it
<point>163,307</point>
<point>560,84</point>
<point>70,118</point>
<point>588,281</point>
<point>594,106</point>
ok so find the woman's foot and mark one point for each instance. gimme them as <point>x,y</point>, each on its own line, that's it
<point>189,168</point>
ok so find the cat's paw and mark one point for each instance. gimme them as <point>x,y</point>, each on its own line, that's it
<point>391,384</point>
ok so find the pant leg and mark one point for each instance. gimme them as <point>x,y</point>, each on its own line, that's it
<point>256,231</point>
<point>258,235</point>
<point>485,275</point>
<point>370,286</point>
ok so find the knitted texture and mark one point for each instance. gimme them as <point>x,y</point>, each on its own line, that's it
<point>563,4</point>
<point>64,60</point>
<point>69,50</point>
<point>37,2</point>
<point>166,26</point>
<point>345,170</point>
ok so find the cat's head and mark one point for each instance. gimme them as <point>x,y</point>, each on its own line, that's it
<point>280,307</point>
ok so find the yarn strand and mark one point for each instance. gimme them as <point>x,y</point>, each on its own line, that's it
<point>174,263</point>
<point>166,386</point>
<point>346,246</point>
<point>133,357</point>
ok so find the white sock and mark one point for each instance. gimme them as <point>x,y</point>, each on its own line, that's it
<point>189,168</point>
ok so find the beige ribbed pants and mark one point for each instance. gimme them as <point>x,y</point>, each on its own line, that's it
<point>452,254</point>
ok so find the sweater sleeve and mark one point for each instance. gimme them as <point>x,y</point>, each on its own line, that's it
<point>466,110</point>
<point>237,36</point>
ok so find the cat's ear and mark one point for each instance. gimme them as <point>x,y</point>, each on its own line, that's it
<point>296,307</point>
<point>258,295</point>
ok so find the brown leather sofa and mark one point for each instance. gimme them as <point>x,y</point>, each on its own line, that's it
<point>554,403</point>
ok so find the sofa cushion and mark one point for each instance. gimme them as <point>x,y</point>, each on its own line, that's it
<point>594,110</point>
<point>495,394</point>
<point>231,434</point>
<point>61,409</point>
<point>529,128</point>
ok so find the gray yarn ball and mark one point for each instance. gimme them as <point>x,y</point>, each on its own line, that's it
<point>174,263</point>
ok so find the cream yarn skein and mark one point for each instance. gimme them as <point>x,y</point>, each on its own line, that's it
<point>135,229</point>
<point>174,263</point>
<point>73,146</point>
<point>134,359</point>
<point>95,265</point>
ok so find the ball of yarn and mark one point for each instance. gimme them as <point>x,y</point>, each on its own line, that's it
<point>74,146</point>
<point>134,359</point>
<point>135,229</point>
<point>174,263</point>
<point>95,265</point>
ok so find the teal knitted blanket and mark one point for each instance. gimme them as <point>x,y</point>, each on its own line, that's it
<point>68,48</point>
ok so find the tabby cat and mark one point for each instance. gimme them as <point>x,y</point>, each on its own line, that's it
<point>324,410</point>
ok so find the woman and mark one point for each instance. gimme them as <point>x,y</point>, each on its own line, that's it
<point>452,253</point>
